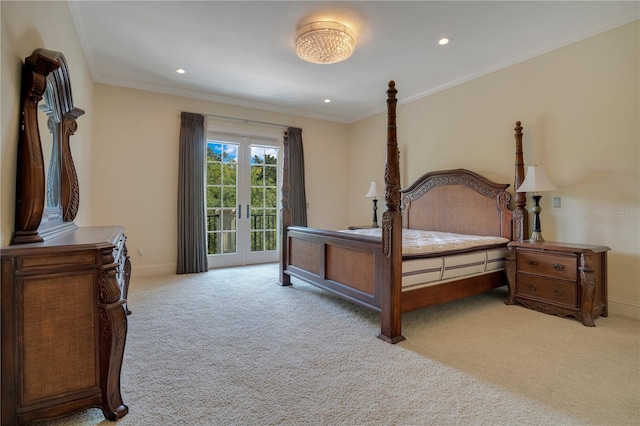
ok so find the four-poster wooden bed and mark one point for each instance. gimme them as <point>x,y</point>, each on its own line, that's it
<point>372,271</point>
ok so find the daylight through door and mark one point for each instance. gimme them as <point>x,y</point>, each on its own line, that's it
<point>242,201</point>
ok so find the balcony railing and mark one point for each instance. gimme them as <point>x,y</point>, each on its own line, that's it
<point>263,231</point>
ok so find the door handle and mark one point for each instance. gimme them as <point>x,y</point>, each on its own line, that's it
<point>239,211</point>
<point>248,211</point>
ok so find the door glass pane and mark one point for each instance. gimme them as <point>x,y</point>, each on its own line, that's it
<point>230,174</point>
<point>222,196</point>
<point>271,197</point>
<point>257,196</point>
<point>257,241</point>
<point>213,172</point>
<point>271,240</point>
<point>264,198</point>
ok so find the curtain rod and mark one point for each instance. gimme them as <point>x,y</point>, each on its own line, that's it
<point>247,121</point>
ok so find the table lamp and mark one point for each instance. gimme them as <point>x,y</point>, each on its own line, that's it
<point>374,192</point>
<point>536,181</point>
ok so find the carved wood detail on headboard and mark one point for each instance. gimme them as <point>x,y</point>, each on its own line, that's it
<point>457,201</point>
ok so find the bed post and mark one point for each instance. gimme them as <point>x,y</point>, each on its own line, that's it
<point>391,313</point>
<point>520,215</point>
<point>285,279</point>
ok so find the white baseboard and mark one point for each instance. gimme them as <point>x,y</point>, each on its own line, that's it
<point>624,308</point>
<point>151,270</point>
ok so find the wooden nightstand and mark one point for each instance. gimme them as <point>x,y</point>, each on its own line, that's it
<point>559,278</point>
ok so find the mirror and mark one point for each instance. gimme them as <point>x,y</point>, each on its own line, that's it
<point>47,192</point>
<point>48,121</point>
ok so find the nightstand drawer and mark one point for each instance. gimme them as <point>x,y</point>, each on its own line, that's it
<point>550,265</point>
<point>553,291</point>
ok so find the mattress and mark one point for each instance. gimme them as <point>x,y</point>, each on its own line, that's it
<point>435,270</point>
<point>435,257</point>
<point>419,243</point>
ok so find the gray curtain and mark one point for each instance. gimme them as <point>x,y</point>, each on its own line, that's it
<point>298,197</point>
<point>192,238</point>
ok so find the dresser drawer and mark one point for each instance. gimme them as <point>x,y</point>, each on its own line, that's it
<point>546,264</point>
<point>548,290</point>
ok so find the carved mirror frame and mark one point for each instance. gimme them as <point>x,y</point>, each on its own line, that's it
<point>45,74</point>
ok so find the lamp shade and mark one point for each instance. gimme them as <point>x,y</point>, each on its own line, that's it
<point>536,181</point>
<point>374,190</point>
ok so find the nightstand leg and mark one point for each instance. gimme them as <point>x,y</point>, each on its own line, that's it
<point>510,269</point>
<point>588,283</point>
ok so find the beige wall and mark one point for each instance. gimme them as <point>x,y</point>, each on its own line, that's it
<point>580,112</point>
<point>135,167</point>
<point>27,26</point>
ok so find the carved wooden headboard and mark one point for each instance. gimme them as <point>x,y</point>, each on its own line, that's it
<point>457,201</point>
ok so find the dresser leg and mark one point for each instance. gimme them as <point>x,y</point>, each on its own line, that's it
<point>113,333</point>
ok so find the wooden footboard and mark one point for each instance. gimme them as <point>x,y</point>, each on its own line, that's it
<point>347,265</point>
<point>353,267</point>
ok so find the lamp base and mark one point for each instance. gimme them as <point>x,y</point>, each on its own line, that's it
<point>536,234</point>
<point>536,237</point>
<point>374,224</point>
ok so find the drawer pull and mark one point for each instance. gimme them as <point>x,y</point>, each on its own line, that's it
<point>531,287</point>
<point>533,263</point>
<point>557,266</point>
<point>558,292</point>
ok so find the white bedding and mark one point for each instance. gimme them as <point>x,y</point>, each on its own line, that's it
<point>421,272</point>
<point>415,241</point>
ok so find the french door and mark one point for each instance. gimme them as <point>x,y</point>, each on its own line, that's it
<point>242,200</point>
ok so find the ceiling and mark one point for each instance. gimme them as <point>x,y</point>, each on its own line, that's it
<point>242,52</point>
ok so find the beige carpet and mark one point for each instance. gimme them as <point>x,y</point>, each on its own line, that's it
<point>231,347</point>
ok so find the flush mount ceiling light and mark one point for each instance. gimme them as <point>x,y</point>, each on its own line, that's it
<point>324,42</point>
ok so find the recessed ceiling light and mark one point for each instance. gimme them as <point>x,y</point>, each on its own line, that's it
<point>326,101</point>
<point>180,71</point>
<point>443,41</point>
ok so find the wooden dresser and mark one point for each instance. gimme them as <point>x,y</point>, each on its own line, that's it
<point>64,325</point>
<point>559,278</point>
